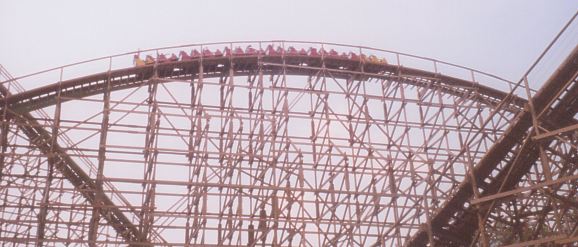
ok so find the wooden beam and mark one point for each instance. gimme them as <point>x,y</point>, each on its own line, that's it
<point>520,190</point>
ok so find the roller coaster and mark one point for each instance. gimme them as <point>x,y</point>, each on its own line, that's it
<point>286,143</point>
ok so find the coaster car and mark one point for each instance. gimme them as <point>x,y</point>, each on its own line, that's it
<point>270,51</point>
<point>195,54</point>
<point>313,52</point>
<point>238,51</point>
<point>251,51</point>
<point>137,61</point>
<point>184,56</point>
<point>173,58</point>
<point>353,56</point>
<point>333,53</point>
<point>218,53</point>
<point>162,58</point>
<point>291,51</point>
<point>149,60</point>
<point>373,59</point>
<point>207,53</point>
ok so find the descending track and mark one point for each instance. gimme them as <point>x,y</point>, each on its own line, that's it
<point>504,166</point>
<point>273,145</point>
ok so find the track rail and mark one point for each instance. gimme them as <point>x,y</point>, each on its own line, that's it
<point>218,67</point>
<point>456,223</point>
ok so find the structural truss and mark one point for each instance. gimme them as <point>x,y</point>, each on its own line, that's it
<point>285,144</point>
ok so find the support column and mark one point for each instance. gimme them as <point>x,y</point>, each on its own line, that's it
<point>4,129</point>
<point>99,194</point>
<point>40,232</point>
<point>150,160</point>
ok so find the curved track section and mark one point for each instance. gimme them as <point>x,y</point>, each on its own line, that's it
<point>247,65</point>
<point>273,147</point>
<point>525,185</point>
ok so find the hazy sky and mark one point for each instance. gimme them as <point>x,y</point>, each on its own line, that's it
<point>496,36</point>
<point>501,37</point>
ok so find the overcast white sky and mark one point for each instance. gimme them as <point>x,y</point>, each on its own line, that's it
<point>501,37</point>
<point>496,36</point>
